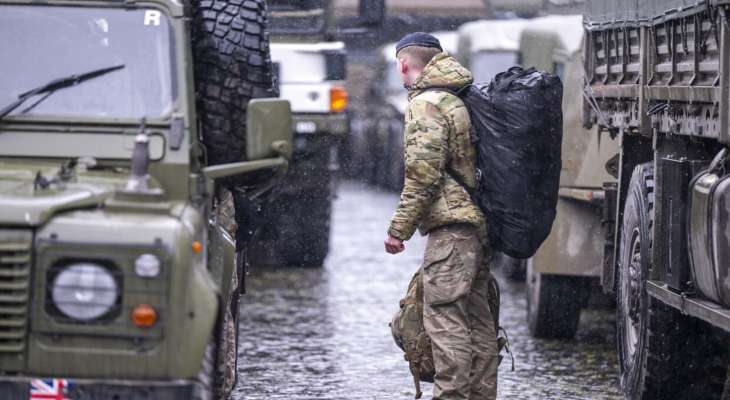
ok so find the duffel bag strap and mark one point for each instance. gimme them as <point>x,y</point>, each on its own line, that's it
<point>416,372</point>
<point>503,343</point>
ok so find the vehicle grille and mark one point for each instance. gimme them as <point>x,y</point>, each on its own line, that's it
<point>15,261</point>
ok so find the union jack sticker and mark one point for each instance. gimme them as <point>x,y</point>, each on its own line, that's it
<point>49,389</point>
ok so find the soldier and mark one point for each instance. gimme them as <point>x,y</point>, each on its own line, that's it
<point>457,315</point>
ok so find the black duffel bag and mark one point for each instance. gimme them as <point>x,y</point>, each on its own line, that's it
<point>517,129</point>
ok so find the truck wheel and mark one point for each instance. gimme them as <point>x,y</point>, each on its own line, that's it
<point>554,303</point>
<point>218,372</point>
<point>635,343</point>
<point>514,269</point>
<point>226,375</point>
<point>232,65</point>
<point>304,239</point>
<point>395,164</point>
<point>203,383</point>
<point>295,229</point>
<point>296,234</point>
<point>662,354</point>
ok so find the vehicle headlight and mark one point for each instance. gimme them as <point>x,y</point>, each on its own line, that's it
<point>84,291</point>
<point>147,266</point>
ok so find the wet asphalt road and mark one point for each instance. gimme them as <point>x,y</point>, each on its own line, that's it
<point>322,333</point>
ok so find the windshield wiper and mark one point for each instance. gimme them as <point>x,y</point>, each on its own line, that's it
<point>54,85</point>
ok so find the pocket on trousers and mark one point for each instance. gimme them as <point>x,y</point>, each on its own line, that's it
<point>445,278</point>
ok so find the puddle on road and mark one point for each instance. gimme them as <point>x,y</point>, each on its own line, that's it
<point>322,333</point>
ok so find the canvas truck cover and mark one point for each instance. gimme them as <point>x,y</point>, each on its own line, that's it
<point>636,12</point>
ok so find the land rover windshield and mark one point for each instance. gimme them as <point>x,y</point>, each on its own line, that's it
<point>41,43</point>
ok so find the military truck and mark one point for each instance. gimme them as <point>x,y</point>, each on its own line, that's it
<point>380,156</point>
<point>658,79</point>
<point>311,69</point>
<point>126,133</point>
<point>488,47</point>
<point>566,269</point>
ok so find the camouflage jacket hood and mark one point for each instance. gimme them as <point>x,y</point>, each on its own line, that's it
<point>436,145</point>
<point>443,71</point>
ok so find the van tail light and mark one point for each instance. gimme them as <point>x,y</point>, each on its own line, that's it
<point>338,99</point>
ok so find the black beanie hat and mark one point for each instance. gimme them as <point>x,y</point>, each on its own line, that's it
<point>418,39</point>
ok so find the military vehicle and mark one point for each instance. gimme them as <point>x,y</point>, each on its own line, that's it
<point>126,134</point>
<point>658,79</point>
<point>380,156</point>
<point>566,269</point>
<point>488,47</point>
<point>311,68</point>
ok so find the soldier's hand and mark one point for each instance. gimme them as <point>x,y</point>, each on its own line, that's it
<point>394,245</point>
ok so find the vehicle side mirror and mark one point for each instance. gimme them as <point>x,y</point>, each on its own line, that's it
<point>268,129</point>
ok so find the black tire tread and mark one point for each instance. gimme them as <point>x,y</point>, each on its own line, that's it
<point>555,316</point>
<point>304,235</point>
<point>232,65</point>
<point>203,388</point>
<point>298,219</point>
<point>514,269</point>
<point>679,358</point>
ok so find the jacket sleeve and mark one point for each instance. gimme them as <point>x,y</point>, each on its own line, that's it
<point>426,144</point>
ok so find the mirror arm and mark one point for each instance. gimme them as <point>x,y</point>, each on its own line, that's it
<point>244,167</point>
<point>283,148</point>
<point>254,193</point>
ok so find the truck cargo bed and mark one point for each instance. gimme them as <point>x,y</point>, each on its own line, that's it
<point>664,68</point>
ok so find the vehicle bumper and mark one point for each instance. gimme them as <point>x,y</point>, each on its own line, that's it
<point>309,124</point>
<point>18,388</point>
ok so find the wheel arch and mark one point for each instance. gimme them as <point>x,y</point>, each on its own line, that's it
<point>634,150</point>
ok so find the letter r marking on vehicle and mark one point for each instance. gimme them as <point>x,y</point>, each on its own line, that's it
<point>152,17</point>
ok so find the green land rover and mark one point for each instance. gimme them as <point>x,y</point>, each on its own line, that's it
<point>118,279</point>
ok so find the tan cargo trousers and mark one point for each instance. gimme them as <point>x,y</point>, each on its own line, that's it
<point>457,316</point>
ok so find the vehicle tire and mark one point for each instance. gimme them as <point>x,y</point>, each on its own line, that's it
<point>203,386</point>
<point>304,231</point>
<point>232,65</point>
<point>662,353</point>
<point>396,167</point>
<point>214,381</point>
<point>296,224</point>
<point>554,303</point>
<point>514,269</point>
<point>368,147</point>
<point>226,375</point>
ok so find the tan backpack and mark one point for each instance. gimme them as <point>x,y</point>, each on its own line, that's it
<point>410,335</point>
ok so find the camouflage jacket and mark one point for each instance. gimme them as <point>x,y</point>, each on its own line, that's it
<point>436,140</point>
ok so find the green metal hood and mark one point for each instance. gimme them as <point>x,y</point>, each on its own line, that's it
<point>23,204</point>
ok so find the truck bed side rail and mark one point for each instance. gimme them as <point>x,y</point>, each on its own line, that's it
<point>665,71</point>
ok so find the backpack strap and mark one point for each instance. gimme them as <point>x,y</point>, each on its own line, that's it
<point>503,343</point>
<point>469,190</point>
<point>458,93</point>
<point>416,372</point>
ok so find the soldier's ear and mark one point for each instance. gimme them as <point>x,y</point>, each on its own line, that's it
<point>402,65</point>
